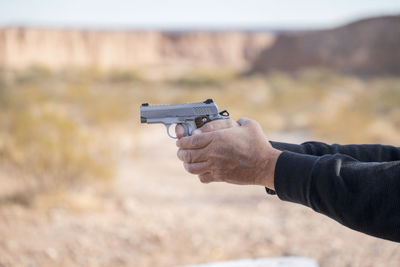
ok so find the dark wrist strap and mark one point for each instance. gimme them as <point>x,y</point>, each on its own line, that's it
<point>270,191</point>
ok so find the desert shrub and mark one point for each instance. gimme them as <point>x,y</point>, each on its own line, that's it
<point>124,76</point>
<point>97,106</point>
<point>384,95</point>
<point>47,140</point>
<point>33,75</point>
<point>2,79</point>
<point>49,145</point>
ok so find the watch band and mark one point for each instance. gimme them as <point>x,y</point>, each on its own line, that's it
<point>270,191</point>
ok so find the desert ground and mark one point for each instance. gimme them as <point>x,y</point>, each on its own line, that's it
<point>158,215</point>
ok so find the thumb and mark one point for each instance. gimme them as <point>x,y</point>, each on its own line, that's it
<point>243,121</point>
<point>197,131</point>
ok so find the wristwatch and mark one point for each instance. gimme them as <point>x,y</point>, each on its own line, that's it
<point>270,191</point>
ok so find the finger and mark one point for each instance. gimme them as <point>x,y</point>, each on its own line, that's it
<point>197,168</point>
<point>218,125</point>
<point>179,131</point>
<point>206,178</point>
<point>190,156</point>
<point>251,124</point>
<point>243,121</point>
<point>195,141</point>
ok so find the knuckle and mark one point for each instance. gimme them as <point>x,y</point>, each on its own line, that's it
<point>216,136</point>
<point>204,179</point>
<point>214,157</point>
<point>188,156</point>
<point>218,174</point>
<point>241,120</point>
<point>218,151</point>
<point>217,125</point>
<point>208,127</point>
<point>217,178</point>
<point>253,124</point>
<point>190,169</point>
<point>194,141</point>
<point>183,142</point>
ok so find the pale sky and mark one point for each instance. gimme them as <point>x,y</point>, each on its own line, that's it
<point>183,14</point>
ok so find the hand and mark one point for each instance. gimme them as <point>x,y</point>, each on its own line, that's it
<point>223,151</point>
<point>208,127</point>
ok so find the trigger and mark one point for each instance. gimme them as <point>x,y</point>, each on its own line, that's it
<point>187,133</point>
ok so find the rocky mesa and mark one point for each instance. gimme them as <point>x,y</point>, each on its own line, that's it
<point>108,49</point>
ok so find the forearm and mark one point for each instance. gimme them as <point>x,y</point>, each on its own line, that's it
<point>363,153</point>
<point>362,196</point>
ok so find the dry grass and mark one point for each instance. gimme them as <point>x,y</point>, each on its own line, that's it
<point>65,131</point>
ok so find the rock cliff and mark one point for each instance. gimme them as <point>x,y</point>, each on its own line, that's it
<point>60,48</point>
<point>365,47</point>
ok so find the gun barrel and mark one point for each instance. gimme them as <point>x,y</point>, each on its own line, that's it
<point>148,112</point>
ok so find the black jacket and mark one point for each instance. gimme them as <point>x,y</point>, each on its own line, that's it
<point>356,185</point>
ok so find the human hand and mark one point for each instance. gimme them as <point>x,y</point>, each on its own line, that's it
<point>223,151</point>
<point>208,127</point>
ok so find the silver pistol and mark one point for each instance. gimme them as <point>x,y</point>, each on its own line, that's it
<point>190,115</point>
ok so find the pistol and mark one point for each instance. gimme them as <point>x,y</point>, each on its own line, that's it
<point>190,115</point>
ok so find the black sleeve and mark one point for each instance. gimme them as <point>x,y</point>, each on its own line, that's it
<point>364,153</point>
<point>364,196</point>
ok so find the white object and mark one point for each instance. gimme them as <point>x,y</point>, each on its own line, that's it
<point>266,262</point>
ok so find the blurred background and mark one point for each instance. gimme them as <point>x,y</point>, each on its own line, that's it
<point>82,183</point>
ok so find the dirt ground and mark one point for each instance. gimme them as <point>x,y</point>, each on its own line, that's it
<point>158,215</point>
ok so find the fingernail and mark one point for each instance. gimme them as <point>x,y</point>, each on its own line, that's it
<point>197,131</point>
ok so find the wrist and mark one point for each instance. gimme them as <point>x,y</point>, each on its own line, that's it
<point>267,176</point>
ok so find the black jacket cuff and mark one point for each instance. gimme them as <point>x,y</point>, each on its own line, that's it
<point>293,177</point>
<point>287,146</point>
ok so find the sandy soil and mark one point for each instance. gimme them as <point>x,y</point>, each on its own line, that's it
<point>157,215</point>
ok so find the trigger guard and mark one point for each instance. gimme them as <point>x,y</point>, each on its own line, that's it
<point>167,126</point>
